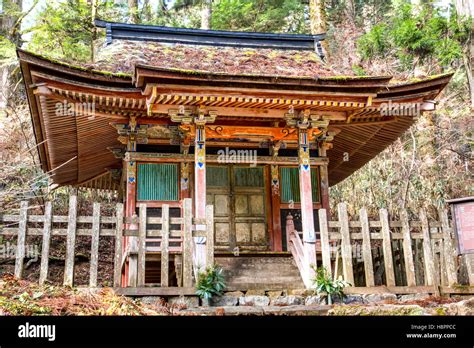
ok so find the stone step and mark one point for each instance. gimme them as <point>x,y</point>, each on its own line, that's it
<point>255,310</point>
<point>260,272</point>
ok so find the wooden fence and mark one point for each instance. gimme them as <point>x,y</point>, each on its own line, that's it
<point>178,241</point>
<point>67,226</point>
<point>391,253</point>
<point>97,226</point>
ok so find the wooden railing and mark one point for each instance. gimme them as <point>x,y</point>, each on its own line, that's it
<point>96,226</point>
<point>385,252</point>
<point>296,247</point>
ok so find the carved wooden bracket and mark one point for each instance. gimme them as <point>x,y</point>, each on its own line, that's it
<point>306,120</point>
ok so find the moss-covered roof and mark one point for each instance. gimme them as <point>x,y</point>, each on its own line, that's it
<point>122,56</point>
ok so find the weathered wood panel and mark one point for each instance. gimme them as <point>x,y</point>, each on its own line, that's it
<point>449,249</point>
<point>165,214</point>
<point>210,235</point>
<point>94,261</point>
<point>118,245</point>
<point>430,272</point>
<point>20,249</point>
<point>325,247</point>
<point>346,249</point>
<point>141,246</point>
<point>387,248</point>
<point>48,212</point>
<point>407,249</point>
<point>366,248</point>
<point>70,242</point>
<point>187,244</point>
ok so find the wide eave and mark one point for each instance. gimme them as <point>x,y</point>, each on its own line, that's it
<point>76,150</point>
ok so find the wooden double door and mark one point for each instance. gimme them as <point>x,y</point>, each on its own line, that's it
<point>238,194</point>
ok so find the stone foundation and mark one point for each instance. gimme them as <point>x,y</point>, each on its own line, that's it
<point>304,302</point>
<point>298,297</point>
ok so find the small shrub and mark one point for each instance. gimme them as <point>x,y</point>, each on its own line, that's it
<point>324,284</point>
<point>210,283</point>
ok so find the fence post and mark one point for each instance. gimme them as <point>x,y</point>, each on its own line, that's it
<point>407,249</point>
<point>210,235</point>
<point>346,250</point>
<point>187,244</point>
<point>430,274</point>
<point>325,247</point>
<point>48,211</point>
<point>94,245</point>
<point>449,249</point>
<point>118,245</point>
<point>387,248</point>
<point>165,230</point>
<point>366,248</point>
<point>71,242</point>
<point>20,244</point>
<point>141,246</point>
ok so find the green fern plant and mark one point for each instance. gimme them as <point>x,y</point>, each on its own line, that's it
<point>324,284</point>
<point>210,283</point>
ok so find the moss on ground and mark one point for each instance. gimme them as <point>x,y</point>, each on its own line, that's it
<point>386,310</point>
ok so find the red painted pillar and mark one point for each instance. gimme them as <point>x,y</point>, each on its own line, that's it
<point>130,204</point>
<point>200,194</point>
<point>309,235</point>
<point>276,215</point>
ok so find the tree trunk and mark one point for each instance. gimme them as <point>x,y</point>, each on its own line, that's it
<point>147,13</point>
<point>349,8</point>
<point>206,14</point>
<point>133,11</point>
<point>465,8</point>
<point>9,29</point>
<point>94,28</point>
<point>317,17</point>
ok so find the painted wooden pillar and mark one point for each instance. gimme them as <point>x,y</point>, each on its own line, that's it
<point>309,235</point>
<point>276,217</point>
<point>324,178</point>
<point>200,194</point>
<point>131,243</point>
<point>185,183</point>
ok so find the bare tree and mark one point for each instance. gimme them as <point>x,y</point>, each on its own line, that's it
<point>94,28</point>
<point>465,8</point>
<point>133,12</point>
<point>8,18</point>
<point>206,14</point>
<point>317,17</point>
<point>349,8</point>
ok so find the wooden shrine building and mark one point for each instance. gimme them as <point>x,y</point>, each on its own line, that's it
<point>255,124</point>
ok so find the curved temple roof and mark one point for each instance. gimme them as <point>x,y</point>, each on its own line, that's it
<point>250,87</point>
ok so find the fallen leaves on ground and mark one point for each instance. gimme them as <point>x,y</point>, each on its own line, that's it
<point>22,297</point>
